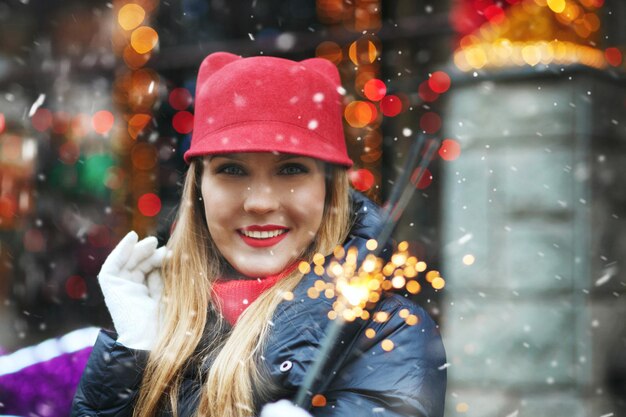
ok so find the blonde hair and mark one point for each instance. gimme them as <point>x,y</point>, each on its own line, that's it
<point>186,340</point>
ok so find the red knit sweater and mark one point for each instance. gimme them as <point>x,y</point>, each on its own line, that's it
<point>235,295</point>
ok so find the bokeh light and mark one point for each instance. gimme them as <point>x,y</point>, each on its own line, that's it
<point>375,89</point>
<point>2,122</point>
<point>387,345</point>
<point>330,51</point>
<point>430,122</point>
<point>144,39</point>
<point>613,56</point>
<point>468,259</point>
<point>557,6</point>
<point>318,400</point>
<point>42,119</point>
<point>75,287</point>
<point>149,204</point>
<point>102,121</point>
<point>425,180</point>
<point>183,122</point>
<point>361,179</point>
<point>359,113</point>
<point>133,59</point>
<point>130,16</point>
<point>144,156</point>
<point>362,51</point>
<point>69,153</point>
<point>180,98</point>
<point>137,123</point>
<point>439,82</point>
<point>449,150</point>
<point>391,105</point>
<point>61,122</point>
<point>426,93</point>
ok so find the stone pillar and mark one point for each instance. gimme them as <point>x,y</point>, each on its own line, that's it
<point>533,326</point>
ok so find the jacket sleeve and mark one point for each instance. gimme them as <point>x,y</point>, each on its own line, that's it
<point>399,368</point>
<point>111,379</point>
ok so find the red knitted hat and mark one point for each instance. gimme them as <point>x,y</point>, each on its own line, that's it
<point>268,104</point>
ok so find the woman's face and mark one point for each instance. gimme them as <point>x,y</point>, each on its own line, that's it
<point>262,209</point>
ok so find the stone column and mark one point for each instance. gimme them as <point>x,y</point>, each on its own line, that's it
<point>533,326</point>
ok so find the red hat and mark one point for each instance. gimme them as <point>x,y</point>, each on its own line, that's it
<point>268,104</point>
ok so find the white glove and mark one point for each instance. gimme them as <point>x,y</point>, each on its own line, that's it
<point>131,282</point>
<point>283,408</point>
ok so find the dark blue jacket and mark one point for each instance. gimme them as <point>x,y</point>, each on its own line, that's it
<point>361,379</point>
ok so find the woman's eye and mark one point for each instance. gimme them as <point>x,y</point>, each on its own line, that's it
<point>293,169</point>
<point>231,170</point>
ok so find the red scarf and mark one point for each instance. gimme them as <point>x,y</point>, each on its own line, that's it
<point>234,296</point>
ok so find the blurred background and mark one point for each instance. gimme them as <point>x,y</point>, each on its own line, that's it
<point>522,211</point>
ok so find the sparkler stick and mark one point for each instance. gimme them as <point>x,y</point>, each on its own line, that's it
<point>400,196</point>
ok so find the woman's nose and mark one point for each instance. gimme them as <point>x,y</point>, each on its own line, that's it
<point>260,199</point>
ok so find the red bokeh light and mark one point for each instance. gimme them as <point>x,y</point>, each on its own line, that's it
<point>426,93</point>
<point>424,181</point>
<point>375,89</point>
<point>613,56</point>
<point>42,119</point>
<point>69,153</point>
<point>391,105</point>
<point>361,179</point>
<point>103,121</point>
<point>494,14</point>
<point>430,122</point>
<point>180,98</point>
<point>61,122</point>
<point>2,122</point>
<point>449,150</point>
<point>75,287</point>
<point>149,204</point>
<point>183,122</point>
<point>439,82</point>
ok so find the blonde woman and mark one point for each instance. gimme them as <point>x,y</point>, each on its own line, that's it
<point>206,329</point>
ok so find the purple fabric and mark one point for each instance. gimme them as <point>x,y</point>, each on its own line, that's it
<point>44,389</point>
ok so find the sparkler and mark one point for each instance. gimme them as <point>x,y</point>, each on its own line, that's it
<point>358,285</point>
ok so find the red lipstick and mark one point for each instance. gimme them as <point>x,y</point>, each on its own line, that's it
<point>263,242</point>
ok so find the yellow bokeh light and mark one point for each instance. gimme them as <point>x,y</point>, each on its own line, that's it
<point>556,6</point>
<point>318,259</point>
<point>304,267</point>
<point>312,293</point>
<point>411,320</point>
<point>367,55</point>
<point>332,314</point>
<point>371,244</point>
<point>462,407</point>
<point>381,316</point>
<point>370,333</point>
<point>319,270</point>
<point>413,287</point>
<point>431,275</point>
<point>339,252</point>
<point>438,283</point>
<point>287,296</point>
<point>421,266</point>
<point>404,313</point>
<point>144,39</point>
<point>387,345</point>
<point>403,246</point>
<point>130,16</point>
<point>468,259</point>
<point>398,281</point>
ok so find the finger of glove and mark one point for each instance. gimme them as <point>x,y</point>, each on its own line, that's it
<point>155,284</point>
<point>153,262</point>
<point>142,251</point>
<point>120,254</point>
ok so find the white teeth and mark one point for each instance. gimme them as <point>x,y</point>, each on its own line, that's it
<point>263,235</point>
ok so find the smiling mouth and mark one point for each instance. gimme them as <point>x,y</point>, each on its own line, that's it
<point>266,234</point>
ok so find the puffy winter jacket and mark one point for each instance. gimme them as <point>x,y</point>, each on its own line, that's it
<point>362,379</point>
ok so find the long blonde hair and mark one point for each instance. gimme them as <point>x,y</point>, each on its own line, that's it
<point>233,377</point>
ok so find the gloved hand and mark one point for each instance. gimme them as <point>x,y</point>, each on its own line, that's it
<point>283,408</point>
<point>131,283</point>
